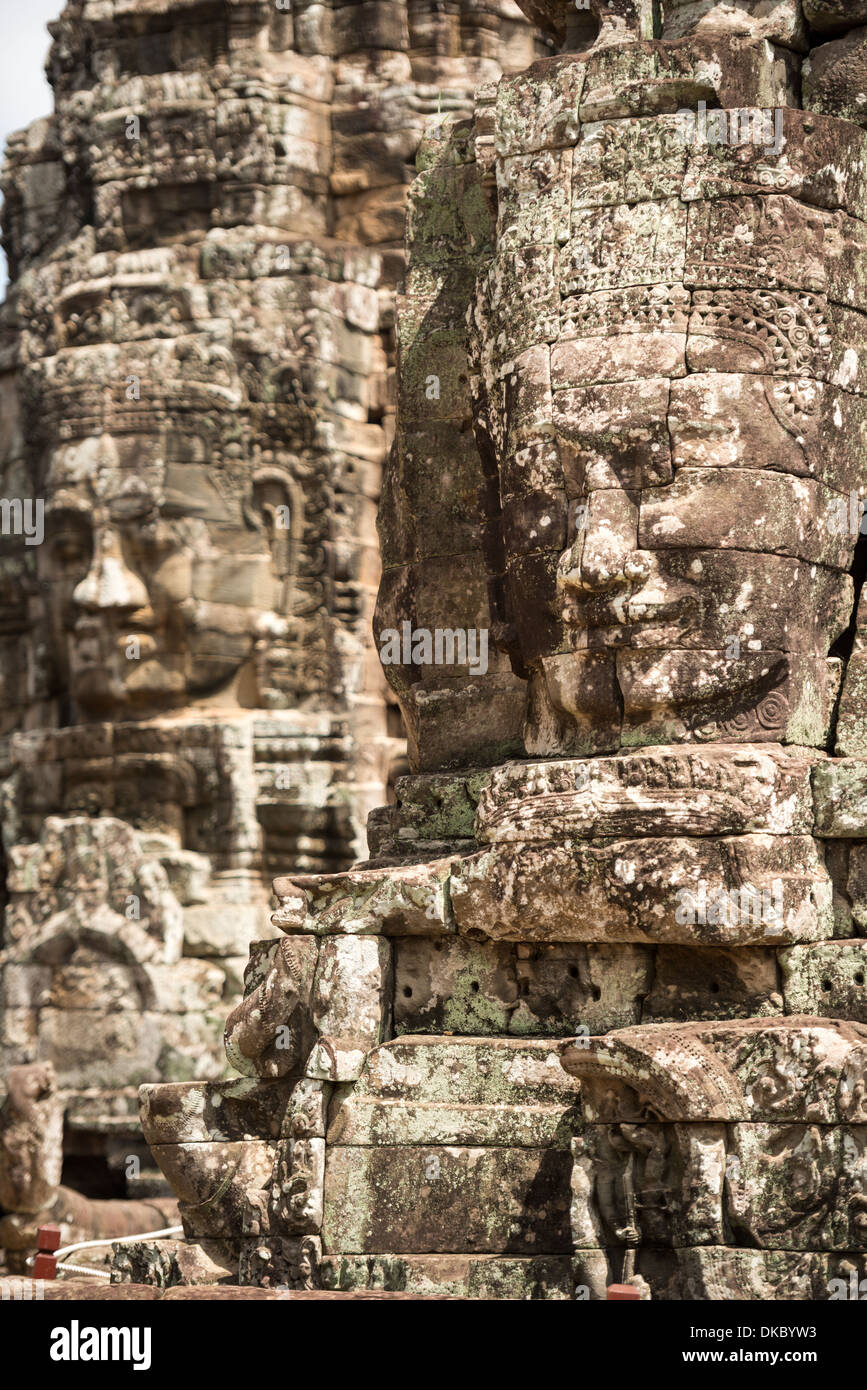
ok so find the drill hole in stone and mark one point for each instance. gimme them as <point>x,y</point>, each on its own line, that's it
<point>826,986</point>
<point>859,977</point>
<point>407,992</point>
<point>475,987</point>
<point>573,971</point>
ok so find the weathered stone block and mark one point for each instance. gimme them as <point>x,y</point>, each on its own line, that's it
<point>581,711</point>
<point>436,1199</point>
<point>492,1072</point>
<point>743,510</point>
<point>744,890</point>
<point>658,791</point>
<point>545,991</point>
<point>723,170</point>
<point>508,1090</point>
<point>834,77</point>
<point>694,982</point>
<point>226,1111</point>
<point>828,16</point>
<point>828,980</point>
<point>393,902</point>
<point>852,718</point>
<point>296,1193</point>
<point>722,68</point>
<point>438,807</point>
<point>840,799</point>
<point>781,19</point>
<point>616,438</point>
<point>700,404</point>
<point>469,988</point>
<point>452,1276</point>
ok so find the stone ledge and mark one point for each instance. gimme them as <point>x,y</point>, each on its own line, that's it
<point>89,1291</point>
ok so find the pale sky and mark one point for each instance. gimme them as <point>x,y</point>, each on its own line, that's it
<point>24,93</point>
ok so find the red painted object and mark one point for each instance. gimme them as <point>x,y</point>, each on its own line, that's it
<point>623,1293</point>
<point>45,1264</point>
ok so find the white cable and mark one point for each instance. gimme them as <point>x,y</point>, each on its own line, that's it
<point>117,1240</point>
<point>83,1269</point>
<point>110,1240</point>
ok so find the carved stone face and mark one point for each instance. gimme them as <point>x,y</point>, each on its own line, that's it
<point>667,379</point>
<point>161,578</point>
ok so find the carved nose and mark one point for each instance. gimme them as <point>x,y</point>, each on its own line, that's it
<point>109,583</point>
<point>601,570</point>
<point>604,554</point>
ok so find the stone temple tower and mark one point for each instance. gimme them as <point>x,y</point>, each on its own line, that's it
<point>196,399</point>
<point>594,1011</point>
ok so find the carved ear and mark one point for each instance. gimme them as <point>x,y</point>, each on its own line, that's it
<point>274,507</point>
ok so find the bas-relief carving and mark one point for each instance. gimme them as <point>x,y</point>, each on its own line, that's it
<point>195,357</point>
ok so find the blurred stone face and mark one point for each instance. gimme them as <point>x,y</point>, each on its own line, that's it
<point>772,19</point>
<point>670,383</point>
<point>577,25</point>
<point>160,583</point>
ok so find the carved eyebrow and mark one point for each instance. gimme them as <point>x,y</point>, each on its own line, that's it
<point>68,502</point>
<point>131,502</point>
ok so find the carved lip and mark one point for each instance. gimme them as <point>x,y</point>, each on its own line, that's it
<point>90,653</point>
<point>600,613</point>
<point>88,629</point>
